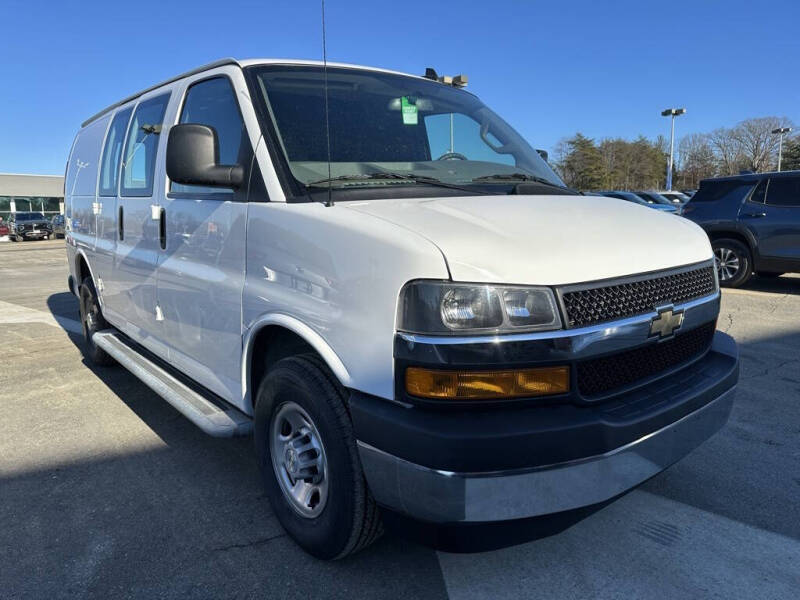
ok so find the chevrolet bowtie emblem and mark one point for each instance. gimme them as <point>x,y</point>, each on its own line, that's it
<point>666,323</point>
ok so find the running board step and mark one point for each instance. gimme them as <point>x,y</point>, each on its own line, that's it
<point>207,415</point>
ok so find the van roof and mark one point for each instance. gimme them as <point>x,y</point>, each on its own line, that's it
<point>241,63</point>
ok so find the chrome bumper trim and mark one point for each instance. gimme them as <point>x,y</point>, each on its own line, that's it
<point>564,344</point>
<point>448,497</point>
<point>602,329</point>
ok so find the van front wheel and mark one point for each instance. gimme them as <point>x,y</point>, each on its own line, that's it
<point>309,461</point>
<point>92,321</point>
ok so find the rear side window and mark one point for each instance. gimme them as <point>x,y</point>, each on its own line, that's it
<point>734,191</point>
<point>212,102</point>
<point>139,156</point>
<point>109,167</point>
<point>784,191</point>
<point>760,193</point>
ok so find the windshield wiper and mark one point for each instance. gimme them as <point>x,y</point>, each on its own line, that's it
<point>388,176</point>
<point>517,178</point>
<point>358,177</point>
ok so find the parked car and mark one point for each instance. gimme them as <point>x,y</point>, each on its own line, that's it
<point>3,229</point>
<point>400,323</point>
<point>753,222</point>
<point>656,197</point>
<point>29,226</point>
<point>675,197</point>
<point>57,224</point>
<point>636,199</point>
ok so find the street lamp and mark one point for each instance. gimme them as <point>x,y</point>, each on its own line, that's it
<point>781,131</point>
<point>671,112</point>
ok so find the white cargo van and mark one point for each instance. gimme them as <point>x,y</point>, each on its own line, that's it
<point>380,279</point>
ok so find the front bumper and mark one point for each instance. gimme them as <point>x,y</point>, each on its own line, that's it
<point>620,445</point>
<point>35,234</point>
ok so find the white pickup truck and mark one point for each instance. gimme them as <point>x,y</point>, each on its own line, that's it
<point>378,278</point>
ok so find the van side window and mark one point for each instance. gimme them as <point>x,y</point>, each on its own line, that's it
<point>109,165</point>
<point>784,191</point>
<point>212,102</point>
<point>139,156</point>
<point>760,192</point>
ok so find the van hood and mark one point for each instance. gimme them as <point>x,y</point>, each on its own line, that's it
<point>545,240</point>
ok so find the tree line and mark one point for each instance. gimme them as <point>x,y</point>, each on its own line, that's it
<point>641,164</point>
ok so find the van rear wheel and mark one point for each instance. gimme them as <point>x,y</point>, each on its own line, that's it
<point>92,321</point>
<point>309,461</point>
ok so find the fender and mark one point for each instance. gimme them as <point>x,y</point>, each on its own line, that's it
<point>735,227</point>
<point>311,337</point>
<point>79,251</point>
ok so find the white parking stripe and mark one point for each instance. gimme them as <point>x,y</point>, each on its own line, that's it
<point>642,546</point>
<point>13,313</point>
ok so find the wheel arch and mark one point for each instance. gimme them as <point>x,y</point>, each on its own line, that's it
<point>735,233</point>
<point>276,336</point>
<point>82,271</point>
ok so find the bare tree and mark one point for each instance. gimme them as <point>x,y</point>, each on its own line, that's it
<point>757,143</point>
<point>727,150</point>
<point>697,159</point>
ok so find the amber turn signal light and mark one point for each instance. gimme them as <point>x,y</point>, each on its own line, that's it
<point>486,385</point>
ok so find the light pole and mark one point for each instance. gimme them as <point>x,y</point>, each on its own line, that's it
<point>781,131</point>
<point>671,112</point>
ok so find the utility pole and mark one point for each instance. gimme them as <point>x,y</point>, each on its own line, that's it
<point>781,131</point>
<point>671,112</point>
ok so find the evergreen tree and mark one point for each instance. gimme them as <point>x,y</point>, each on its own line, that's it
<point>790,161</point>
<point>582,164</point>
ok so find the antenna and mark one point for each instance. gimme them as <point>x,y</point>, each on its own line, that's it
<point>329,202</point>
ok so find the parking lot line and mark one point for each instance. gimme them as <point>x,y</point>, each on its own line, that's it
<point>14,313</point>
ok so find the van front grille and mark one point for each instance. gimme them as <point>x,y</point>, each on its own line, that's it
<point>610,302</point>
<point>600,376</point>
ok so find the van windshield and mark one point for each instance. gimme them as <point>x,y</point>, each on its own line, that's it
<point>388,129</point>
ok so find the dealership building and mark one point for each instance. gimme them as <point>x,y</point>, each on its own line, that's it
<point>39,193</point>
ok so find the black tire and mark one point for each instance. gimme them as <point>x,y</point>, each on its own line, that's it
<point>734,262</point>
<point>91,321</point>
<point>349,520</point>
<point>768,275</point>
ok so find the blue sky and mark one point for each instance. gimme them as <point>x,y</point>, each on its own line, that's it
<point>550,68</point>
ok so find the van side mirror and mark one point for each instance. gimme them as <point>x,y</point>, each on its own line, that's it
<point>543,154</point>
<point>193,158</point>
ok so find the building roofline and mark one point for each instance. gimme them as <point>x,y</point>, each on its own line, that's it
<point>31,175</point>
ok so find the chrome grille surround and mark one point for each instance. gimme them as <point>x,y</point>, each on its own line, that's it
<point>611,300</point>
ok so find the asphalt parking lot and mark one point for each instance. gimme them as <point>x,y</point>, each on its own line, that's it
<point>106,491</point>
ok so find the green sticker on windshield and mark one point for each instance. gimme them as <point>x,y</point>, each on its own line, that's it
<point>409,111</point>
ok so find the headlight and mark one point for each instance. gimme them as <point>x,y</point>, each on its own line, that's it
<point>443,307</point>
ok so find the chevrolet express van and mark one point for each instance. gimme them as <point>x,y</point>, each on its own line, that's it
<point>379,279</point>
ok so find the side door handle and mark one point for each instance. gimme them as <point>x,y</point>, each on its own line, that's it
<point>121,224</point>
<point>162,228</point>
<point>754,215</point>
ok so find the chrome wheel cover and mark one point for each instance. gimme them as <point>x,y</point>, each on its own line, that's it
<point>298,459</point>
<point>727,262</point>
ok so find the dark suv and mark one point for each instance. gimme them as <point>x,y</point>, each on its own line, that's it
<point>753,222</point>
<point>29,225</point>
